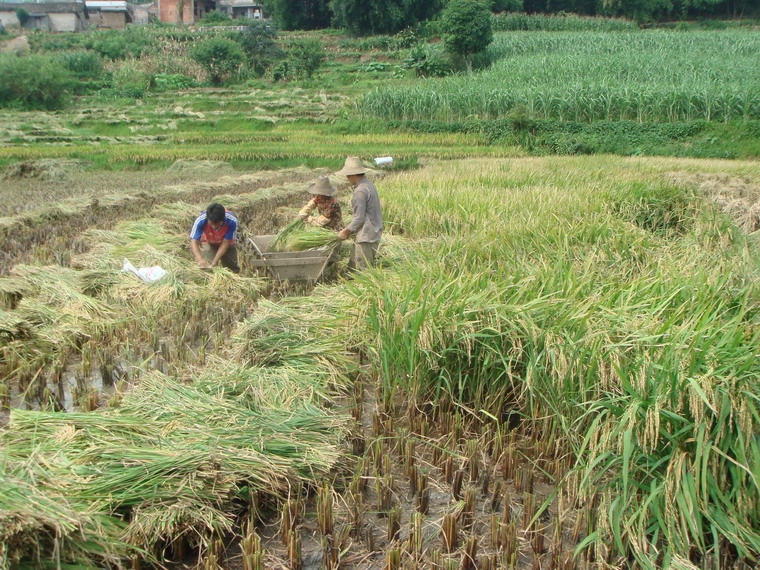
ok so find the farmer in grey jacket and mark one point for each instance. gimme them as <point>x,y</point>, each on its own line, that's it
<point>367,222</point>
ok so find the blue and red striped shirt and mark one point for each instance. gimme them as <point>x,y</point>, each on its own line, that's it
<point>203,232</point>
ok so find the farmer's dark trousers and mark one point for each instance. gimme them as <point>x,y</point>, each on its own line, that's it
<point>228,260</point>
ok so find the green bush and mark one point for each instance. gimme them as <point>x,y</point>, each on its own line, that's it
<point>118,44</point>
<point>217,19</point>
<point>167,81</point>
<point>40,41</point>
<point>428,61</point>
<point>305,56</point>
<point>131,80</point>
<point>259,43</point>
<point>220,57</point>
<point>33,82</point>
<point>22,16</point>
<point>467,28</point>
<point>82,63</point>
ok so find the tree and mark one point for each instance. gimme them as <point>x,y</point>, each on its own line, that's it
<point>506,5</point>
<point>365,17</point>
<point>259,42</point>
<point>305,57</point>
<point>301,14</point>
<point>22,16</point>
<point>466,26</point>
<point>220,57</point>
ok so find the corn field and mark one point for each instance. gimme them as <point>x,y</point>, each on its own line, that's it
<point>645,76</point>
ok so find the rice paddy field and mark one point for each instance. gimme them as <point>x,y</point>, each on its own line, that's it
<point>554,364</point>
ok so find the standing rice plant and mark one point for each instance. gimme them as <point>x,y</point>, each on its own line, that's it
<point>616,325</point>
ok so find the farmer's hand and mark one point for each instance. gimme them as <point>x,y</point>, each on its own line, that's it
<point>344,233</point>
<point>303,215</point>
<point>203,264</point>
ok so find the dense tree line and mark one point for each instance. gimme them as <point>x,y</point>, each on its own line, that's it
<point>364,17</point>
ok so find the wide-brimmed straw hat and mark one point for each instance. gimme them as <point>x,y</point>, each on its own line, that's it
<point>352,167</point>
<point>323,187</point>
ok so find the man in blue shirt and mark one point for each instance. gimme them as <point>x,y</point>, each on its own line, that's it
<point>212,239</point>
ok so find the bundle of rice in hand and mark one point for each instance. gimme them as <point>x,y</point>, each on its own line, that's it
<point>300,236</point>
<point>279,240</point>
<point>308,237</point>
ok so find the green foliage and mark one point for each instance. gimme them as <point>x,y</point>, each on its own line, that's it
<point>554,23</point>
<point>428,61</point>
<point>82,63</point>
<point>220,57</point>
<point>22,16</point>
<point>172,81</point>
<point>119,44</point>
<point>466,28</point>
<point>131,80</point>
<point>259,42</point>
<point>217,19</point>
<point>305,56</point>
<point>405,39</point>
<point>33,82</point>
<point>41,42</point>
<point>365,17</point>
<point>301,14</point>
<point>506,5</point>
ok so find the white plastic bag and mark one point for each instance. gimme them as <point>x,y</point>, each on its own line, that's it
<point>384,160</point>
<point>147,274</point>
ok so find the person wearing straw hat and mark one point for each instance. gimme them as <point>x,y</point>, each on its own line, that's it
<point>325,203</point>
<point>367,222</point>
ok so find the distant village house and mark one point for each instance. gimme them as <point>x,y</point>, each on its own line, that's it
<point>108,14</point>
<point>75,15</point>
<point>47,16</point>
<point>190,11</point>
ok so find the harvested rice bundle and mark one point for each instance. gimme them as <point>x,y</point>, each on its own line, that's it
<point>12,327</point>
<point>37,518</point>
<point>279,241</point>
<point>309,238</point>
<point>279,336</point>
<point>176,459</point>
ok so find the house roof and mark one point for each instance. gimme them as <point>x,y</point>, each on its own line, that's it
<point>241,3</point>
<point>34,8</point>
<point>107,5</point>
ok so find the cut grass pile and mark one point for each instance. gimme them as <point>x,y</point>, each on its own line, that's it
<point>617,313</point>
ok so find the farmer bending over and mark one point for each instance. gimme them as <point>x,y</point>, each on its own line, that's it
<point>213,236</point>
<point>326,204</point>
<point>367,222</point>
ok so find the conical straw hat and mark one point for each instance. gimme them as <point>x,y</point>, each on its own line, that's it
<point>323,187</point>
<point>353,166</point>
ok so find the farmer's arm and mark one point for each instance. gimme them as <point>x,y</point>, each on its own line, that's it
<point>359,207</point>
<point>221,251</point>
<point>195,246</point>
<point>308,209</point>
